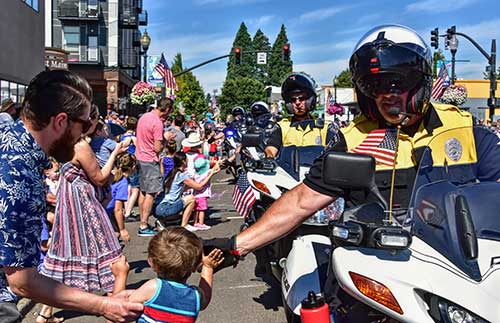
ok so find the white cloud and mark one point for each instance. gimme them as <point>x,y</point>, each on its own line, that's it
<point>441,6</point>
<point>261,21</point>
<point>211,78</point>
<point>227,2</point>
<point>484,30</point>
<point>321,14</point>
<point>323,72</point>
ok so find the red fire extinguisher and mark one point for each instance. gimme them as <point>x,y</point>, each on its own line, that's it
<point>314,309</point>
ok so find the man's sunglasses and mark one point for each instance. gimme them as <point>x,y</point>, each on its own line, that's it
<point>301,98</point>
<point>86,124</point>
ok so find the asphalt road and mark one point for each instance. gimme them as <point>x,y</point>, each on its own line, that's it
<point>238,296</point>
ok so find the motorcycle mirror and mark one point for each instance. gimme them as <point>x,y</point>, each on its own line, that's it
<point>351,171</point>
<point>251,139</point>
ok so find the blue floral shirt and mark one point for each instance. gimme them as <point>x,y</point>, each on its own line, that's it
<point>22,198</point>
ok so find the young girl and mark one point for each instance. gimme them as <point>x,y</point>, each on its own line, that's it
<point>119,195</point>
<point>167,161</point>
<point>173,202</point>
<point>202,168</point>
<point>174,254</point>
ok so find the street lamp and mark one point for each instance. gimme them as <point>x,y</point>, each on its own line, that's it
<point>145,41</point>
<point>335,84</point>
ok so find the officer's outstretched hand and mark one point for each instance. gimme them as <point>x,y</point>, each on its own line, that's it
<point>227,246</point>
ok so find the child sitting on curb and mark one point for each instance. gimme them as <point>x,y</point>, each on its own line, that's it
<point>174,254</point>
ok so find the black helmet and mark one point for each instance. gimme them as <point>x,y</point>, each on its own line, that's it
<point>391,58</point>
<point>259,108</point>
<point>295,83</point>
<point>237,111</point>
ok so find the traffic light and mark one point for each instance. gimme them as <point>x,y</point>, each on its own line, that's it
<point>237,55</point>
<point>449,35</point>
<point>285,57</point>
<point>435,38</point>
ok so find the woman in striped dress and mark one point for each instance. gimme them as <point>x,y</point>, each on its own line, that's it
<point>84,252</point>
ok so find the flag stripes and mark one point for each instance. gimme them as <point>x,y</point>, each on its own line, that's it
<point>243,197</point>
<point>380,144</point>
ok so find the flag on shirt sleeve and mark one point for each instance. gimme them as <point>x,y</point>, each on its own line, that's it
<point>243,197</point>
<point>441,83</point>
<point>168,78</point>
<point>380,144</point>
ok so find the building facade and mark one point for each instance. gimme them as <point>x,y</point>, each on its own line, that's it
<point>102,39</point>
<point>22,54</point>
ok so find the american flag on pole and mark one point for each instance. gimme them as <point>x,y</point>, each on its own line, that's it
<point>168,78</point>
<point>243,197</point>
<point>380,144</point>
<point>441,83</point>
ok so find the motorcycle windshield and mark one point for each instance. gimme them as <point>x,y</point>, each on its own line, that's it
<point>450,209</point>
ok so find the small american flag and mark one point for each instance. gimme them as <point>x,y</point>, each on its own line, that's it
<point>243,197</point>
<point>168,78</point>
<point>441,83</point>
<point>380,144</point>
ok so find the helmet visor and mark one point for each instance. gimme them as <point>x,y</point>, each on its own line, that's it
<point>388,83</point>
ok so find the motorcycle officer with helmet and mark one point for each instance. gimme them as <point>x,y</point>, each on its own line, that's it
<point>299,92</point>
<point>391,68</point>
<point>262,121</point>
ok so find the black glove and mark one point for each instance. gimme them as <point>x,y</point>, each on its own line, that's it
<point>227,246</point>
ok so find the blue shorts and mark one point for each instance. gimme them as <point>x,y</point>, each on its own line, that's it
<point>133,179</point>
<point>169,208</point>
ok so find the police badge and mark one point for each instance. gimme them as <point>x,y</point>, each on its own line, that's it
<point>453,149</point>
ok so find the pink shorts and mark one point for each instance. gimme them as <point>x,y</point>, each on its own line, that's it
<point>201,203</point>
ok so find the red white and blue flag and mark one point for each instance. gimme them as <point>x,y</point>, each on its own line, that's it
<point>243,197</point>
<point>165,72</point>
<point>381,145</point>
<point>441,83</point>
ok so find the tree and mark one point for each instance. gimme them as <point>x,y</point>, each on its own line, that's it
<point>261,42</point>
<point>243,41</point>
<point>190,92</point>
<point>241,91</point>
<point>344,79</point>
<point>438,56</point>
<point>278,69</point>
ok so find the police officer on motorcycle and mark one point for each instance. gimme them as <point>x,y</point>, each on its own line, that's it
<point>299,92</point>
<point>391,69</point>
<point>262,121</point>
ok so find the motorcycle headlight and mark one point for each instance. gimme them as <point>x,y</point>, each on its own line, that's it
<point>452,313</point>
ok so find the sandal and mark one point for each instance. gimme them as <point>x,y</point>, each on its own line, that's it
<point>50,319</point>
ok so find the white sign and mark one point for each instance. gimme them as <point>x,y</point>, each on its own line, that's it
<point>262,58</point>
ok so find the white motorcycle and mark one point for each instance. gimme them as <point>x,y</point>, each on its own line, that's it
<point>439,263</point>
<point>299,260</point>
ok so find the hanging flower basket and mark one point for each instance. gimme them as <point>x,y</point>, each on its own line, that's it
<point>143,93</point>
<point>455,95</point>
<point>335,109</point>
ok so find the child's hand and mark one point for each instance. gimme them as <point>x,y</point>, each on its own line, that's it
<point>120,148</point>
<point>213,259</point>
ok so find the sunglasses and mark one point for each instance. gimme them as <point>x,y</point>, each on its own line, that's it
<point>86,124</point>
<point>301,98</point>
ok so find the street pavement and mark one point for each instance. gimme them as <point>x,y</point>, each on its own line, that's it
<point>238,296</point>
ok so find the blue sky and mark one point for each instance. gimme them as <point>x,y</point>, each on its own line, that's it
<point>322,33</point>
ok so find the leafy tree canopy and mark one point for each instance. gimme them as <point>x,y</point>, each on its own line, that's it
<point>190,92</point>
<point>278,69</point>
<point>241,91</point>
